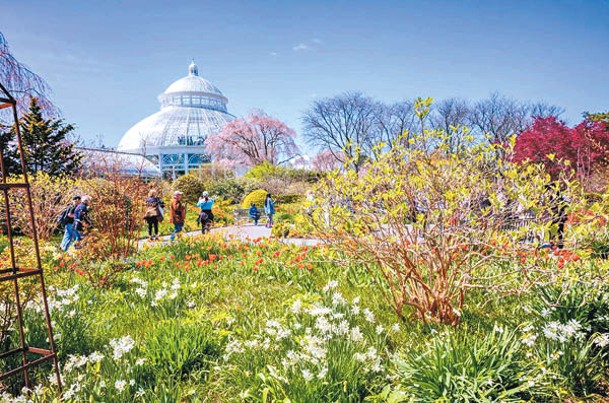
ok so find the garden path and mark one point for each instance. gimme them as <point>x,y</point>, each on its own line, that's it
<point>242,232</point>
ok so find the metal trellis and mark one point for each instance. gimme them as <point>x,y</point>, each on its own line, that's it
<point>14,273</point>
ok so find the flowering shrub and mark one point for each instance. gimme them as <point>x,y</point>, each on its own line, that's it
<point>257,197</point>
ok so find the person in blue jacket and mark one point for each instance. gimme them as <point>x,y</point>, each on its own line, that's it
<point>254,213</point>
<point>269,209</point>
<point>206,216</point>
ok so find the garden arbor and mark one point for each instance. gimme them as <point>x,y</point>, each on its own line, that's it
<point>12,272</point>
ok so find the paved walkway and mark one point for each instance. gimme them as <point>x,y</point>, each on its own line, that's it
<point>242,232</point>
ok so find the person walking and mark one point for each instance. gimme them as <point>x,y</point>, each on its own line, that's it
<point>70,234</point>
<point>269,209</point>
<point>154,214</point>
<point>206,217</point>
<point>82,220</point>
<point>177,214</point>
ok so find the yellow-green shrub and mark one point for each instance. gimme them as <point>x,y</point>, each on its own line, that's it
<point>257,197</point>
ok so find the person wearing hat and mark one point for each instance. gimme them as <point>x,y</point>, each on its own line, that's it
<point>206,216</point>
<point>81,219</point>
<point>70,234</point>
<point>177,213</point>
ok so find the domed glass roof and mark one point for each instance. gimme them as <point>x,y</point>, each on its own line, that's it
<point>191,109</point>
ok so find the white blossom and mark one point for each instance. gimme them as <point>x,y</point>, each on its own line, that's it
<point>332,284</point>
<point>529,340</point>
<point>307,375</point>
<point>356,334</point>
<point>120,385</point>
<point>121,346</point>
<point>602,340</point>
<point>296,306</point>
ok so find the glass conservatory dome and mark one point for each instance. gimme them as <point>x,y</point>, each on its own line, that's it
<point>192,108</point>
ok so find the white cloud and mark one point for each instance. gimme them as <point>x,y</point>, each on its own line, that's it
<point>302,47</point>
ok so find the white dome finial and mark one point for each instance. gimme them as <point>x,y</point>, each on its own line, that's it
<point>193,69</point>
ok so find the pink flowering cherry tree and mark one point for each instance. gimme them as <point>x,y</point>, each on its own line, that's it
<point>253,140</point>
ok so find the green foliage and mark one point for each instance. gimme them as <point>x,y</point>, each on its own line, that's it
<point>46,144</point>
<point>600,246</point>
<point>176,350</point>
<point>231,190</point>
<point>257,197</point>
<point>289,198</point>
<point>417,218</point>
<point>323,350</point>
<point>461,367</point>
<point>266,171</point>
<point>191,186</point>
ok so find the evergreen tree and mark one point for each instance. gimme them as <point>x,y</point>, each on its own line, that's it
<point>46,145</point>
<point>9,150</point>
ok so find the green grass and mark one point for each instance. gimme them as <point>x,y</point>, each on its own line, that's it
<point>184,304</point>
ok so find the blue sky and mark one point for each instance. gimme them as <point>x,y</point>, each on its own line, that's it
<point>107,61</point>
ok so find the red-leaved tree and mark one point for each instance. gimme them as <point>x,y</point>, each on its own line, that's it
<point>253,140</point>
<point>551,142</point>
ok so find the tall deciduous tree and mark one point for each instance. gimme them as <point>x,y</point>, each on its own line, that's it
<point>499,117</point>
<point>46,143</point>
<point>452,116</point>
<point>396,121</point>
<point>254,140</point>
<point>345,125</point>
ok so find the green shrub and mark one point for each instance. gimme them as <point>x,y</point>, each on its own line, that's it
<point>600,247</point>
<point>257,197</point>
<point>229,189</point>
<point>191,186</point>
<point>289,198</point>
<point>264,171</point>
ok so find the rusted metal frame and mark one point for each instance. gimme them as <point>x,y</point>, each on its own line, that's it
<point>8,186</point>
<point>29,349</point>
<point>48,354</point>
<point>30,364</point>
<point>18,275</point>
<point>19,269</point>
<point>30,206</point>
<point>9,233</point>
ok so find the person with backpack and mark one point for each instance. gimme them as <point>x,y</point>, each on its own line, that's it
<point>154,214</point>
<point>206,217</point>
<point>269,209</point>
<point>66,218</point>
<point>82,220</point>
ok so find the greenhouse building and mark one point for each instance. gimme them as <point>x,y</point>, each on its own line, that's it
<point>173,138</point>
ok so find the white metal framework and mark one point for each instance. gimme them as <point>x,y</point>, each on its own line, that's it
<point>192,108</point>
